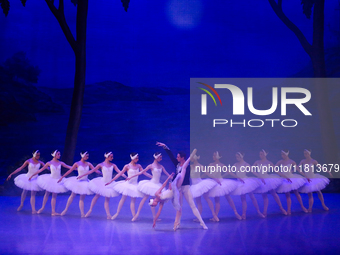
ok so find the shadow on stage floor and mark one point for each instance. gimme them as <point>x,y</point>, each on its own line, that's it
<point>300,233</point>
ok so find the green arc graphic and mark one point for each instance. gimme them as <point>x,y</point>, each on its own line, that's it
<point>209,95</point>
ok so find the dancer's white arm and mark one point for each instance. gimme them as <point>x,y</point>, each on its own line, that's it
<point>95,169</point>
<point>18,169</point>
<point>118,171</point>
<point>74,167</point>
<point>118,175</point>
<point>279,163</point>
<point>140,172</point>
<point>164,171</point>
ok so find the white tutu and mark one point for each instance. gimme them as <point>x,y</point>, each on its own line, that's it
<point>226,187</point>
<point>22,182</point>
<point>297,182</point>
<point>127,189</point>
<point>317,183</point>
<point>167,194</point>
<point>80,187</point>
<point>201,187</point>
<point>48,183</point>
<point>97,185</point>
<point>148,187</point>
<point>272,183</point>
<point>249,185</point>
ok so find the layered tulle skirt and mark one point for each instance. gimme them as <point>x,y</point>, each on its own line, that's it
<point>22,182</point>
<point>271,183</point>
<point>201,187</point>
<point>249,185</point>
<point>80,187</point>
<point>297,181</point>
<point>317,183</point>
<point>127,189</point>
<point>97,186</point>
<point>50,184</point>
<point>227,186</point>
<point>148,187</point>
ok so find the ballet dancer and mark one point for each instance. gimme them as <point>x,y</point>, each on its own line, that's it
<point>226,187</point>
<point>270,182</point>
<point>162,196</point>
<point>49,182</point>
<point>22,181</point>
<point>184,189</point>
<point>247,186</point>
<point>292,182</point>
<point>149,187</point>
<point>128,188</point>
<point>201,187</point>
<point>316,182</point>
<point>78,186</point>
<point>97,185</point>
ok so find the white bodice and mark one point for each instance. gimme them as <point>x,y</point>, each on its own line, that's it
<point>55,171</point>
<point>83,170</point>
<point>241,173</point>
<point>132,172</point>
<point>288,173</point>
<point>308,170</point>
<point>107,173</point>
<point>195,175</point>
<point>156,174</point>
<point>32,169</point>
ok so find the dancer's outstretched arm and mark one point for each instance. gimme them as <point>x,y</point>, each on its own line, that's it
<point>282,174</point>
<point>18,169</point>
<point>159,191</point>
<point>140,173</point>
<point>169,152</point>
<point>118,175</point>
<point>91,171</point>
<point>74,167</point>
<point>118,171</point>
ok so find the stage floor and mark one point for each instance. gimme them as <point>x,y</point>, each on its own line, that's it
<point>300,233</point>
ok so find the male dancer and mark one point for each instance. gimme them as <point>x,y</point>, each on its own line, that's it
<point>185,188</point>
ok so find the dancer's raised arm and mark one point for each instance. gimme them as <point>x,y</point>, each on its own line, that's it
<point>169,152</point>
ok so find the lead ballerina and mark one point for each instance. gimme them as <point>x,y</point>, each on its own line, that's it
<point>150,187</point>
<point>78,186</point>
<point>316,182</point>
<point>128,188</point>
<point>97,185</point>
<point>22,180</point>
<point>49,182</point>
<point>292,182</point>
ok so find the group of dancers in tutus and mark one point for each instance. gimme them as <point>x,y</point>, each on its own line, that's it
<point>203,184</point>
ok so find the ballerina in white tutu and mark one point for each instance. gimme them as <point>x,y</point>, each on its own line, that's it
<point>316,182</point>
<point>201,187</point>
<point>22,180</point>
<point>224,189</point>
<point>269,183</point>
<point>291,182</point>
<point>246,186</point>
<point>129,188</point>
<point>149,187</point>
<point>97,185</point>
<point>49,182</point>
<point>78,186</point>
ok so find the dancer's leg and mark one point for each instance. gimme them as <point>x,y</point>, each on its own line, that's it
<point>140,207</point>
<point>132,206</point>
<point>179,212</point>
<point>23,197</point>
<point>53,204</point>
<point>310,201</point>
<point>278,201</point>
<point>120,206</point>
<point>322,200</point>
<point>158,213</point>
<point>69,202</point>
<point>297,194</point>
<point>81,205</point>
<point>217,205</point>
<point>289,203</point>
<point>199,204</point>
<point>44,201</point>
<point>107,207</point>
<point>188,197</point>
<point>33,201</point>
<point>265,203</point>
<point>253,199</point>
<point>232,205</point>
<point>244,206</point>
<point>211,206</point>
<point>93,202</point>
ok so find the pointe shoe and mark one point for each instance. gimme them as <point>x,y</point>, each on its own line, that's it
<point>289,212</point>
<point>107,217</point>
<point>261,215</point>
<point>176,226</point>
<point>114,216</point>
<point>283,211</point>
<point>134,218</point>
<point>88,214</point>
<point>304,209</point>
<point>55,214</point>
<point>63,213</point>
<point>309,210</point>
<point>244,217</point>
<point>204,226</point>
<point>34,212</point>
<point>40,210</point>
<point>20,207</point>
<point>325,208</point>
